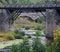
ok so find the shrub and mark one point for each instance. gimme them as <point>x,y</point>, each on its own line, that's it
<point>10,37</point>
<point>14,48</point>
<point>19,32</point>
<point>18,36</point>
<point>38,28</point>
<point>55,45</point>
<point>27,27</point>
<point>22,47</point>
<point>29,36</point>
<point>38,33</point>
<point>7,35</point>
<point>36,46</point>
<point>56,34</point>
<point>1,39</point>
<point>57,39</point>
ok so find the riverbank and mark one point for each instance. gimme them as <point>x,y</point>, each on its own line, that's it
<point>9,43</point>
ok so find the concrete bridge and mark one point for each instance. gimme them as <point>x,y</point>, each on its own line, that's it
<point>9,14</point>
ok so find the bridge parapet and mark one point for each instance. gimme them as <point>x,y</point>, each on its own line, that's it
<point>35,5</point>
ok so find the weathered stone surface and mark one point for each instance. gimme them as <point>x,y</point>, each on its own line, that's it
<point>50,21</point>
<point>5,50</point>
<point>3,20</point>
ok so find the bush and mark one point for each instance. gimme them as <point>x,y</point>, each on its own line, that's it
<point>10,37</point>
<point>38,33</point>
<point>19,32</point>
<point>25,46</point>
<point>55,45</point>
<point>7,35</point>
<point>18,36</point>
<point>38,46</point>
<point>56,42</point>
<point>38,28</point>
<point>14,48</point>
<point>22,47</point>
<point>27,27</point>
<point>29,36</point>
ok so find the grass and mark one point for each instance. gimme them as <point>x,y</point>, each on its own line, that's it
<point>9,43</point>
<point>30,24</point>
<point>4,39</point>
<point>6,36</point>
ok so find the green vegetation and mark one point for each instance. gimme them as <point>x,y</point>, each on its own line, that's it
<point>9,43</point>
<point>25,46</point>
<point>22,47</point>
<point>6,36</point>
<point>10,36</point>
<point>18,36</point>
<point>37,46</point>
<point>38,24</point>
<point>15,2</point>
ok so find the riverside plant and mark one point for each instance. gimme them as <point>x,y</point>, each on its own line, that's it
<point>57,39</point>
<point>36,46</point>
<point>22,47</point>
<point>55,45</point>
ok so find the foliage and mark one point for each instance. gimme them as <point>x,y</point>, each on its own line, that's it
<point>57,39</point>
<point>27,27</point>
<point>25,46</point>
<point>19,32</point>
<point>55,45</point>
<point>14,48</point>
<point>10,37</point>
<point>34,25</point>
<point>22,47</point>
<point>38,28</point>
<point>18,36</point>
<point>38,33</point>
<point>37,45</point>
<point>7,35</point>
<point>40,20</point>
<point>15,2</point>
<point>1,39</point>
<point>57,34</point>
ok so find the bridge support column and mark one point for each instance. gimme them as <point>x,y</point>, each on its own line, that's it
<point>3,21</point>
<point>50,22</point>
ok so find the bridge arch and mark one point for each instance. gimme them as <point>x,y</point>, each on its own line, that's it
<point>50,16</point>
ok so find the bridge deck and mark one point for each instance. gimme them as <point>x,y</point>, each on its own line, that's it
<point>40,8</point>
<point>30,8</point>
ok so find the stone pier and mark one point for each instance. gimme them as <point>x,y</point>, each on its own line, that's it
<point>51,22</point>
<point>4,26</point>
